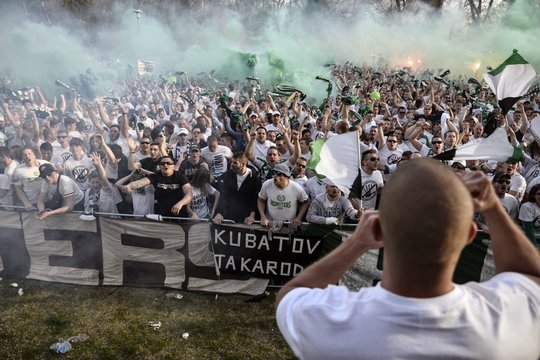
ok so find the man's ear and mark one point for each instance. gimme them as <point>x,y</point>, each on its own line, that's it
<point>472,233</point>
<point>377,230</point>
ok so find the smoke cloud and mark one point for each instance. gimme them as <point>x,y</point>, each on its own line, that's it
<point>288,46</point>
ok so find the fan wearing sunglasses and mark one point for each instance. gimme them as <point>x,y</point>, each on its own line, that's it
<point>173,191</point>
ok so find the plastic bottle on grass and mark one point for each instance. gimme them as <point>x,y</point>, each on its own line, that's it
<point>61,347</point>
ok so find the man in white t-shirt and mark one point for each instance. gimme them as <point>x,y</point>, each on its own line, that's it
<point>369,182</point>
<point>26,179</point>
<point>416,311</point>
<point>218,158</point>
<point>518,184</point>
<point>281,199</point>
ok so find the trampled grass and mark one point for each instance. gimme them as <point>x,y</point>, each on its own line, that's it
<point>116,319</point>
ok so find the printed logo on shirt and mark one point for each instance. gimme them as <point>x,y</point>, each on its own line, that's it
<point>537,222</point>
<point>369,190</point>
<point>80,173</point>
<point>393,159</point>
<point>168,186</point>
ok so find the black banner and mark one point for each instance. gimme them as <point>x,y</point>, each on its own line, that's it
<point>261,253</point>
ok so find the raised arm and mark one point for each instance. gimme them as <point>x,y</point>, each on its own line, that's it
<point>96,160</point>
<point>512,251</point>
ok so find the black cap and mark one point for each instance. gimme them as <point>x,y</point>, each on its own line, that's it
<point>75,142</point>
<point>45,170</point>
<point>501,176</point>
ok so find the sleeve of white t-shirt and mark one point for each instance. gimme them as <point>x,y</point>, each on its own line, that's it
<point>526,212</point>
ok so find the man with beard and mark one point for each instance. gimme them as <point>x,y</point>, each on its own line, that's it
<point>330,207</point>
<point>281,199</point>
<point>241,186</point>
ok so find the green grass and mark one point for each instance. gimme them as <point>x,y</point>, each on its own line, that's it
<point>116,321</point>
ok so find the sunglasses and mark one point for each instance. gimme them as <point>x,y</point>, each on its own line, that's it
<point>374,159</point>
<point>437,142</point>
<point>166,163</point>
<point>145,142</point>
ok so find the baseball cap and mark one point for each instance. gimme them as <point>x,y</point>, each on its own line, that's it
<point>194,147</point>
<point>283,169</point>
<point>45,170</point>
<point>183,131</point>
<point>501,176</point>
<point>75,142</point>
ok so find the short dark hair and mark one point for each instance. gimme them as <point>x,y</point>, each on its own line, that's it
<point>46,146</point>
<point>368,152</point>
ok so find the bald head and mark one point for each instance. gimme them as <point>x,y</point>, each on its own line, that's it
<point>425,213</point>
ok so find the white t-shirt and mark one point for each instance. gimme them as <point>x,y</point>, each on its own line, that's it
<point>5,184</point>
<point>143,200</point>
<point>282,204</point>
<point>217,160</point>
<point>260,150</point>
<point>67,188</point>
<point>530,212</point>
<point>104,199</point>
<point>78,170</point>
<point>518,183</point>
<point>371,183</point>
<point>199,205</point>
<point>28,178</point>
<point>496,319</point>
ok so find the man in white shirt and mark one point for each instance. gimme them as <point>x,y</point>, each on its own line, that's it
<point>416,311</point>
<point>281,199</point>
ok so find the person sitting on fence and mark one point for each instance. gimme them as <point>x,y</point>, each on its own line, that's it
<point>59,193</point>
<point>416,311</point>
<point>173,191</point>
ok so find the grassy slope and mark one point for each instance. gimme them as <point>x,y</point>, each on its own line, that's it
<point>116,320</point>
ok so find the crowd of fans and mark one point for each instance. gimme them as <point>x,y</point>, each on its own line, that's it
<point>206,150</point>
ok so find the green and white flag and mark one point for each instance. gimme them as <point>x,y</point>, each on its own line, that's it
<point>337,158</point>
<point>494,147</point>
<point>511,80</point>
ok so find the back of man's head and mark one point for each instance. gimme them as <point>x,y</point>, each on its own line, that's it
<point>426,214</point>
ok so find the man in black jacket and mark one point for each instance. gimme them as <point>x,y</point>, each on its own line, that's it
<point>241,185</point>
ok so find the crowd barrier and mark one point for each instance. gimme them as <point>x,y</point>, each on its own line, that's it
<point>199,256</point>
